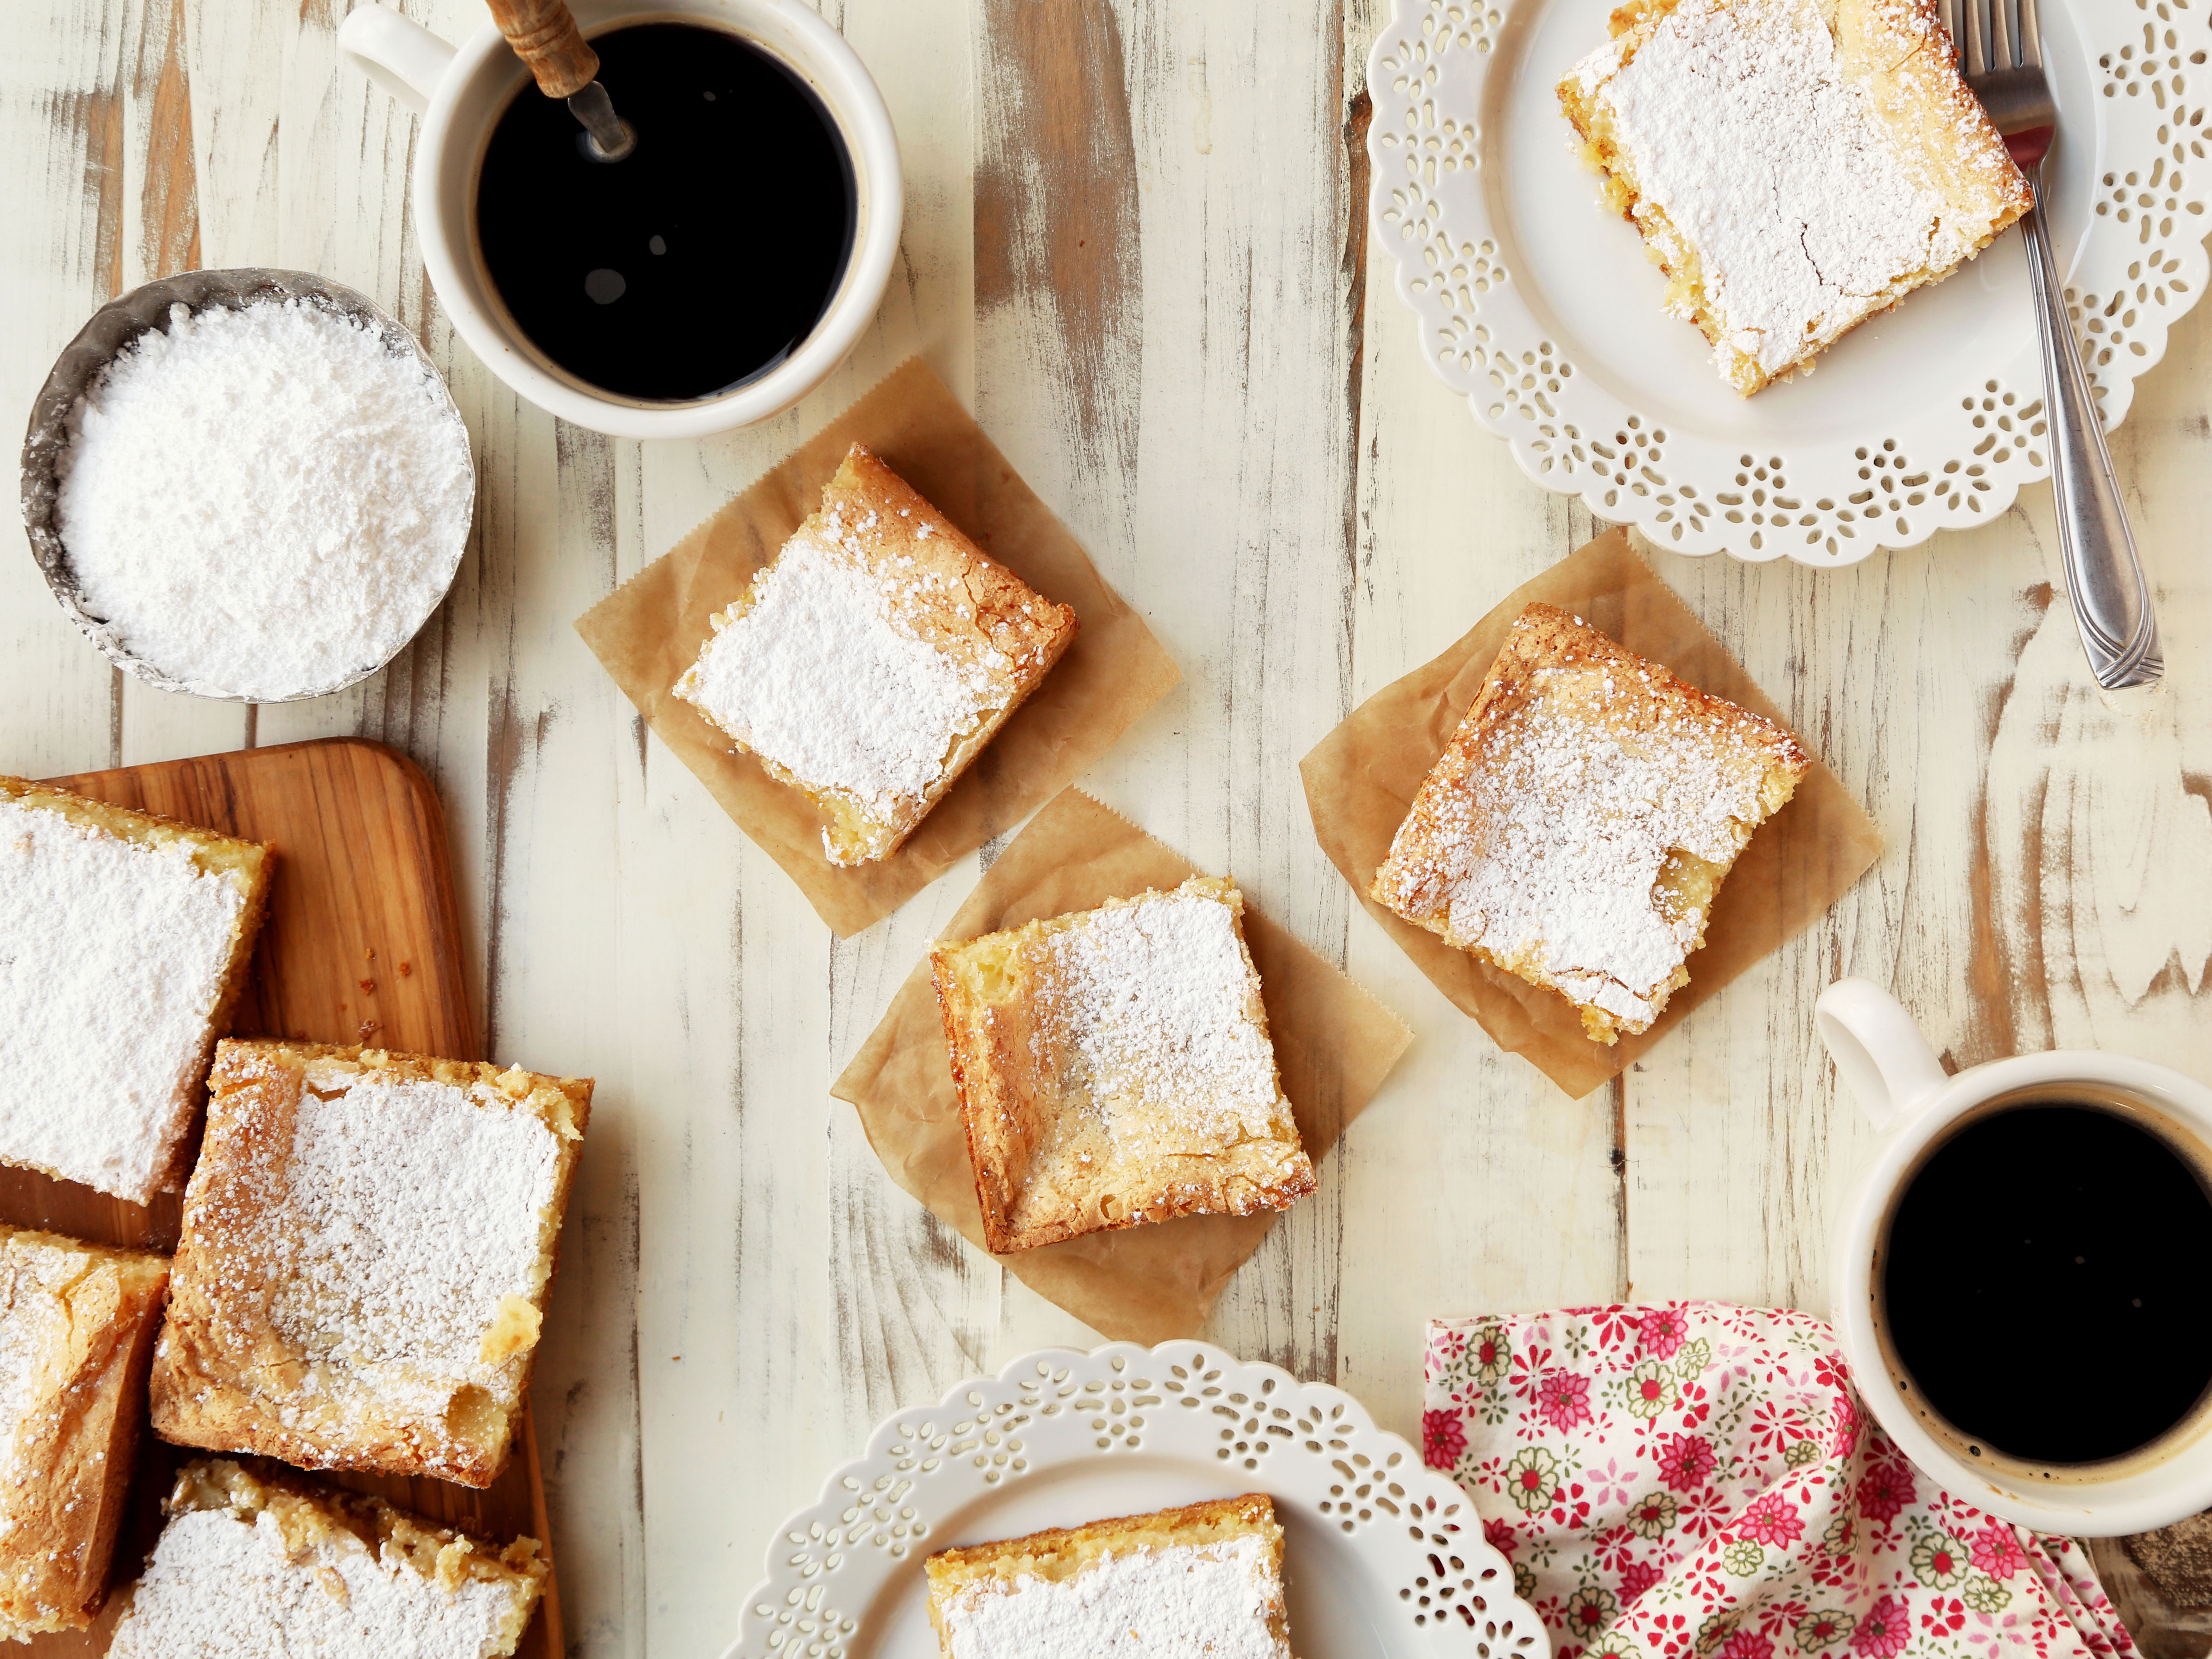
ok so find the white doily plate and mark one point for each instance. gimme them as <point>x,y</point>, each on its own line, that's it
<point>1538,304</point>
<point>1382,1556</point>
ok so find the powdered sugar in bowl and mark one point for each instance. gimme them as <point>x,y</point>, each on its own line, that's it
<point>247,484</point>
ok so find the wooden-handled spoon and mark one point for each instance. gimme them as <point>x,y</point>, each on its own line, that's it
<point>545,35</point>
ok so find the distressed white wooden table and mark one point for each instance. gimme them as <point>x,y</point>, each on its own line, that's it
<point>1134,244</point>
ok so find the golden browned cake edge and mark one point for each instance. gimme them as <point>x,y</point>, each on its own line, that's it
<point>1932,110</point>
<point>1663,246</point>
<point>1000,1077</point>
<point>1060,1552</point>
<point>199,1394</point>
<point>248,865</point>
<point>76,1453</point>
<point>985,1055</point>
<point>900,523</point>
<point>1544,635</point>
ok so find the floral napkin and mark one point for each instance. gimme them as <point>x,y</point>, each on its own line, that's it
<point>1696,1481</point>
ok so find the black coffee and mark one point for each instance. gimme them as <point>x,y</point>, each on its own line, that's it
<point>2045,1278</point>
<point>703,259</point>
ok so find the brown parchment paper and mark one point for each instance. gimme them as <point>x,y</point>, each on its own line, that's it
<point>1360,781</point>
<point>1333,1044</point>
<point>650,630</point>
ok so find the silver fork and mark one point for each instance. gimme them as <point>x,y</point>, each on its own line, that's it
<point>2001,58</point>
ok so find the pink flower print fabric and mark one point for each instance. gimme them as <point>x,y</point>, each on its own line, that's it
<point>1696,1482</point>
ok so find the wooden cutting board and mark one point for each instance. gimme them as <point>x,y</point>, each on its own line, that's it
<point>361,944</point>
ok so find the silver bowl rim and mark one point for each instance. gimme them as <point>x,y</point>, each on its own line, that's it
<point>120,323</point>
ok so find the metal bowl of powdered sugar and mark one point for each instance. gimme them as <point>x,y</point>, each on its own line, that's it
<point>247,484</point>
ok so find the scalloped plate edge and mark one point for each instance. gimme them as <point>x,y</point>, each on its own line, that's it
<point>842,1480</point>
<point>2146,350</point>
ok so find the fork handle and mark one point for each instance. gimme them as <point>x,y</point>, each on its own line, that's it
<point>2104,577</point>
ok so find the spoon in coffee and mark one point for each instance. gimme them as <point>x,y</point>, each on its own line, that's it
<point>545,35</point>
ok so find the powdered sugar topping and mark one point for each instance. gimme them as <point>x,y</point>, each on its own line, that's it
<point>264,503</point>
<point>1549,849</point>
<point>1171,1601</point>
<point>1742,127</point>
<point>1579,827</point>
<point>413,1208</point>
<point>831,675</point>
<point>1152,1003</point>
<point>112,965</point>
<point>224,1586</point>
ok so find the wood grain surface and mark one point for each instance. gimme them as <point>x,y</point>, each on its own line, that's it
<point>1135,245</point>
<point>2162,1628</point>
<point>361,944</point>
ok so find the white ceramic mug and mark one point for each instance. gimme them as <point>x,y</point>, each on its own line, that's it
<point>1888,1064</point>
<point>460,95</point>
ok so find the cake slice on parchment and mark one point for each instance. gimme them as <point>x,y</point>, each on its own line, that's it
<point>1114,1067</point>
<point>76,1326</point>
<point>874,658</point>
<point>368,1241</point>
<point>1795,166</point>
<point>1202,1581</point>
<point>1577,826</point>
<point>259,1561</point>
<point>128,937</point>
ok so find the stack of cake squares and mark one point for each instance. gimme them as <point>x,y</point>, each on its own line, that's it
<point>368,1242</point>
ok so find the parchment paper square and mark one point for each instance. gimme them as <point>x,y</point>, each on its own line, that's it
<point>1361,781</point>
<point>1334,1045</point>
<point>650,630</point>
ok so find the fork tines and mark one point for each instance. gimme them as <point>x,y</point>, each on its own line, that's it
<point>1994,35</point>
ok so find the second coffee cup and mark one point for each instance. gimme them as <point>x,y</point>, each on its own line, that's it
<point>2018,1281</point>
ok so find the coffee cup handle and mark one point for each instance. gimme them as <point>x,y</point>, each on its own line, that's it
<point>1878,1052</point>
<point>396,53</point>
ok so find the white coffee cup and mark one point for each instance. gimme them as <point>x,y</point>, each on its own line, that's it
<point>460,95</point>
<point>1888,1064</point>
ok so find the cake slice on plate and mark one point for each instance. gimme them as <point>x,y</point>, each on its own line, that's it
<point>1795,166</point>
<point>1203,1581</point>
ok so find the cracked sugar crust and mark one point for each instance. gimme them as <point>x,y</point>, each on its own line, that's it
<point>1579,822</point>
<point>1203,1581</point>
<point>1114,1067</point>
<point>874,658</point>
<point>77,1324</point>
<point>367,1242</point>
<point>246,1567</point>
<point>128,937</point>
<point>1795,166</point>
